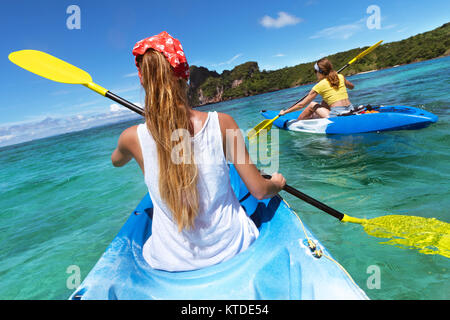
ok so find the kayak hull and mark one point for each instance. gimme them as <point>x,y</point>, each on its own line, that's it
<point>278,265</point>
<point>388,118</point>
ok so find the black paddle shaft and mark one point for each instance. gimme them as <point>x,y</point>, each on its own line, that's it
<point>311,201</point>
<point>125,103</point>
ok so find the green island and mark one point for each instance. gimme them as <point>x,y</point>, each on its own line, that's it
<point>244,80</point>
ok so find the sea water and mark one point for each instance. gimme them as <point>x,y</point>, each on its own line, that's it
<point>62,202</point>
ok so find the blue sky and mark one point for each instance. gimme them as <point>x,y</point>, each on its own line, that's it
<point>216,34</point>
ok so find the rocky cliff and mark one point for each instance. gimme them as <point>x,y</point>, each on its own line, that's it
<point>210,87</point>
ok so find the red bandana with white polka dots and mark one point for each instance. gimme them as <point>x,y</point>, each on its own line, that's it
<point>170,47</point>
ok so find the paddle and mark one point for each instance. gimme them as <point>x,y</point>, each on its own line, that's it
<point>319,205</point>
<point>55,69</point>
<point>267,124</point>
<point>429,235</point>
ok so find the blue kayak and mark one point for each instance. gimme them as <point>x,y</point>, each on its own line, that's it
<point>383,118</point>
<point>279,265</point>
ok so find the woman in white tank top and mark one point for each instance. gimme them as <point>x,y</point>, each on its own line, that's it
<point>183,154</point>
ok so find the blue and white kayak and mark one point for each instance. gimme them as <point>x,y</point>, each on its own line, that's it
<point>385,118</point>
<point>279,265</point>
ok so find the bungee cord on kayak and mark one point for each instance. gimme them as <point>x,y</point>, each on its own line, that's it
<point>315,249</point>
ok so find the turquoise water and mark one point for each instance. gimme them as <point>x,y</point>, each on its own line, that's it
<point>63,202</point>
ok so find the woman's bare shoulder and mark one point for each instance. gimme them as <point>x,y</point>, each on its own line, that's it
<point>130,131</point>
<point>227,121</point>
<point>128,136</point>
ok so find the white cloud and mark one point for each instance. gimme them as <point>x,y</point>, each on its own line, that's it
<point>341,32</point>
<point>6,138</point>
<point>118,108</point>
<point>121,90</point>
<point>284,19</point>
<point>234,58</point>
<point>279,55</point>
<point>131,75</point>
<point>228,61</point>
<point>12,133</point>
<point>391,26</point>
<point>87,103</point>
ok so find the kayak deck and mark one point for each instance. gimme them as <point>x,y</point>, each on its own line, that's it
<point>278,265</point>
<point>387,118</point>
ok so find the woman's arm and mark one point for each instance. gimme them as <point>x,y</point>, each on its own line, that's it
<point>236,152</point>
<point>309,98</point>
<point>123,152</point>
<point>348,84</point>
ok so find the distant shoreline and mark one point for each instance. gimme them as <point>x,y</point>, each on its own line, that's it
<point>370,71</point>
<point>401,65</point>
<point>247,79</point>
<point>310,83</point>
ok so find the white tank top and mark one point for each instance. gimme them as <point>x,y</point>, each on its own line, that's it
<point>222,228</point>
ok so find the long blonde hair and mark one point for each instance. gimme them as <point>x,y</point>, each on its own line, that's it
<point>166,110</point>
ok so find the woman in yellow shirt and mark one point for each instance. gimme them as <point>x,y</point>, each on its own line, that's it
<point>333,89</point>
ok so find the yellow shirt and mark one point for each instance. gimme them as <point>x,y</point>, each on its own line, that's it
<point>329,94</point>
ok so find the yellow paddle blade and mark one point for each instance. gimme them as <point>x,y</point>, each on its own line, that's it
<point>365,52</point>
<point>52,68</point>
<point>263,125</point>
<point>428,235</point>
<point>49,67</point>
